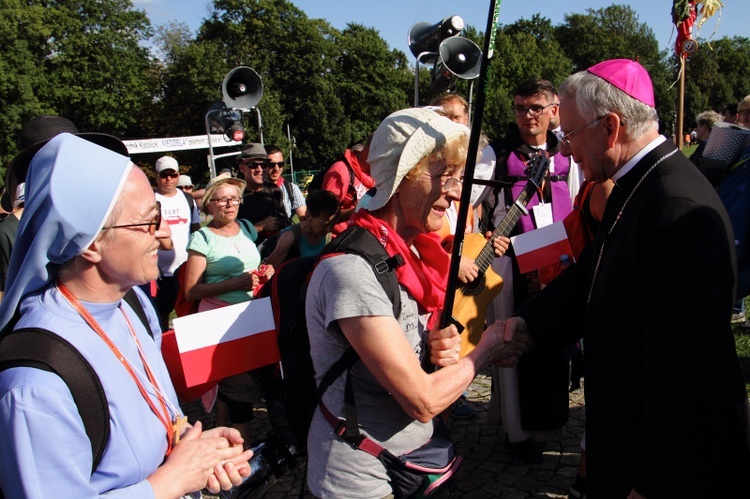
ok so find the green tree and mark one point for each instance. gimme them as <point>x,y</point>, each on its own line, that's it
<point>81,60</point>
<point>716,75</point>
<point>615,32</point>
<point>609,33</point>
<point>524,49</point>
<point>330,87</point>
<point>371,80</point>
<point>291,53</point>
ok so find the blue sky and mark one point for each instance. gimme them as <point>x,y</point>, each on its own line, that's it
<point>393,18</point>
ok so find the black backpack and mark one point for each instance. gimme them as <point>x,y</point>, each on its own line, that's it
<point>288,290</point>
<point>43,349</point>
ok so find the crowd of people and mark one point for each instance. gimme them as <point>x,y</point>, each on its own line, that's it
<point>647,290</point>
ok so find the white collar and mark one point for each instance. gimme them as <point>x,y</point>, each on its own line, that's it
<point>638,156</point>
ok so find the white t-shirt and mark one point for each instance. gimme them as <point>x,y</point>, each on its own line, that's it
<point>177,213</point>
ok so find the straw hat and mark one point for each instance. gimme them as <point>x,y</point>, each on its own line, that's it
<point>220,181</point>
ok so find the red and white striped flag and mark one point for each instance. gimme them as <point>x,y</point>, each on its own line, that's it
<point>541,247</point>
<point>226,341</point>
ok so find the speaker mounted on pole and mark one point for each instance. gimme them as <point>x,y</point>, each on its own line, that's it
<point>424,38</point>
<point>242,88</point>
<point>458,58</point>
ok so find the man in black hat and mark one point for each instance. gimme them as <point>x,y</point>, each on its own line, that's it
<point>262,203</point>
<point>33,135</point>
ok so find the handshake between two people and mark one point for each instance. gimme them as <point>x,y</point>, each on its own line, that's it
<point>502,344</point>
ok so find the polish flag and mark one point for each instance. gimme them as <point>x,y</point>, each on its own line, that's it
<point>541,247</point>
<point>218,343</point>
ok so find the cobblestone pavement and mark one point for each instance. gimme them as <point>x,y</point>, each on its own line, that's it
<point>488,470</point>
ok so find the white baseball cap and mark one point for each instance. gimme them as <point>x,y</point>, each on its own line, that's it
<point>167,163</point>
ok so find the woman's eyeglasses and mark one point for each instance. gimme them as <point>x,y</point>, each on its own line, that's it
<point>153,225</point>
<point>447,182</point>
<point>227,201</point>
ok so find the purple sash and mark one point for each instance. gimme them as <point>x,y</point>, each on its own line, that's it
<point>561,203</point>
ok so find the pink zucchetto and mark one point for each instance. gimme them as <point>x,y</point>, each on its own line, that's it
<point>627,75</point>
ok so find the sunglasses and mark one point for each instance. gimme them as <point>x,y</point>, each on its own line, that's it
<point>153,225</point>
<point>169,175</point>
<point>275,164</point>
<point>255,164</point>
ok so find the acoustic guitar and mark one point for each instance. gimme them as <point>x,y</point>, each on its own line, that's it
<point>471,300</point>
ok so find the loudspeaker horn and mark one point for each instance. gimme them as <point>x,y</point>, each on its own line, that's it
<point>242,88</point>
<point>426,37</point>
<point>458,58</point>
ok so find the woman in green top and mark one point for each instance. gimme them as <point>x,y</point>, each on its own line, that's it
<point>223,261</point>
<point>223,269</point>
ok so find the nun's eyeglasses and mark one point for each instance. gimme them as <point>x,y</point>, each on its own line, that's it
<point>153,225</point>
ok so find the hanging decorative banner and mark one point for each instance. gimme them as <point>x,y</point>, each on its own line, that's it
<point>140,146</point>
<point>689,13</point>
<point>689,46</point>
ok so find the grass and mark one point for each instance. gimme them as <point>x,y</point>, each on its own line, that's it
<point>688,150</point>
<point>742,342</point>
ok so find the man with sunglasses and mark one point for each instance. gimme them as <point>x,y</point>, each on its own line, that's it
<point>294,201</point>
<point>262,205</point>
<point>531,399</point>
<point>179,211</point>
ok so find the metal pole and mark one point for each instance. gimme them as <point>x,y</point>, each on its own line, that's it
<point>211,164</point>
<point>291,147</point>
<point>260,126</point>
<point>681,101</point>
<point>416,75</point>
<point>471,97</point>
<point>476,127</point>
<point>416,84</point>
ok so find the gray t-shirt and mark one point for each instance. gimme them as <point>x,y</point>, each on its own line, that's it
<point>341,287</point>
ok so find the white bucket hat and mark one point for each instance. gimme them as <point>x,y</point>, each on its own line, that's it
<point>400,142</point>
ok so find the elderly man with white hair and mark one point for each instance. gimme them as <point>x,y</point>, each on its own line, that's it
<point>666,408</point>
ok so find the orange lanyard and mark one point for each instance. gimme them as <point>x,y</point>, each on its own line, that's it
<point>161,412</point>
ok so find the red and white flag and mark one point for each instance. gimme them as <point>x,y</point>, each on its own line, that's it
<point>226,341</point>
<point>541,247</point>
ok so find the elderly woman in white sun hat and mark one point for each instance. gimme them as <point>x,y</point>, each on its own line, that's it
<point>417,158</point>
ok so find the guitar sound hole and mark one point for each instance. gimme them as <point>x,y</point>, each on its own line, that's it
<point>474,287</point>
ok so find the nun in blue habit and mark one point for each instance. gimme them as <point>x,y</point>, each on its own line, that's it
<point>87,236</point>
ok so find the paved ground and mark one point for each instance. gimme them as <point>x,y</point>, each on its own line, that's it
<point>489,469</point>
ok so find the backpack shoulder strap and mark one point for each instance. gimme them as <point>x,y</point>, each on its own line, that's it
<point>351,172</point>
<point>288,187</point>
<point>132,299</point>
<point>190,200</point>
<point>297,233</point>
<point>359,241</point>
<point>249,227</point>
<point>43,349</point>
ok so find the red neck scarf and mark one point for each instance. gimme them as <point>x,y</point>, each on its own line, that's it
<point>423,276</point>
<point>363,177</point>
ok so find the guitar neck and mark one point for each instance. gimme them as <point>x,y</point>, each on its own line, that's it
<point>485,257</point>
